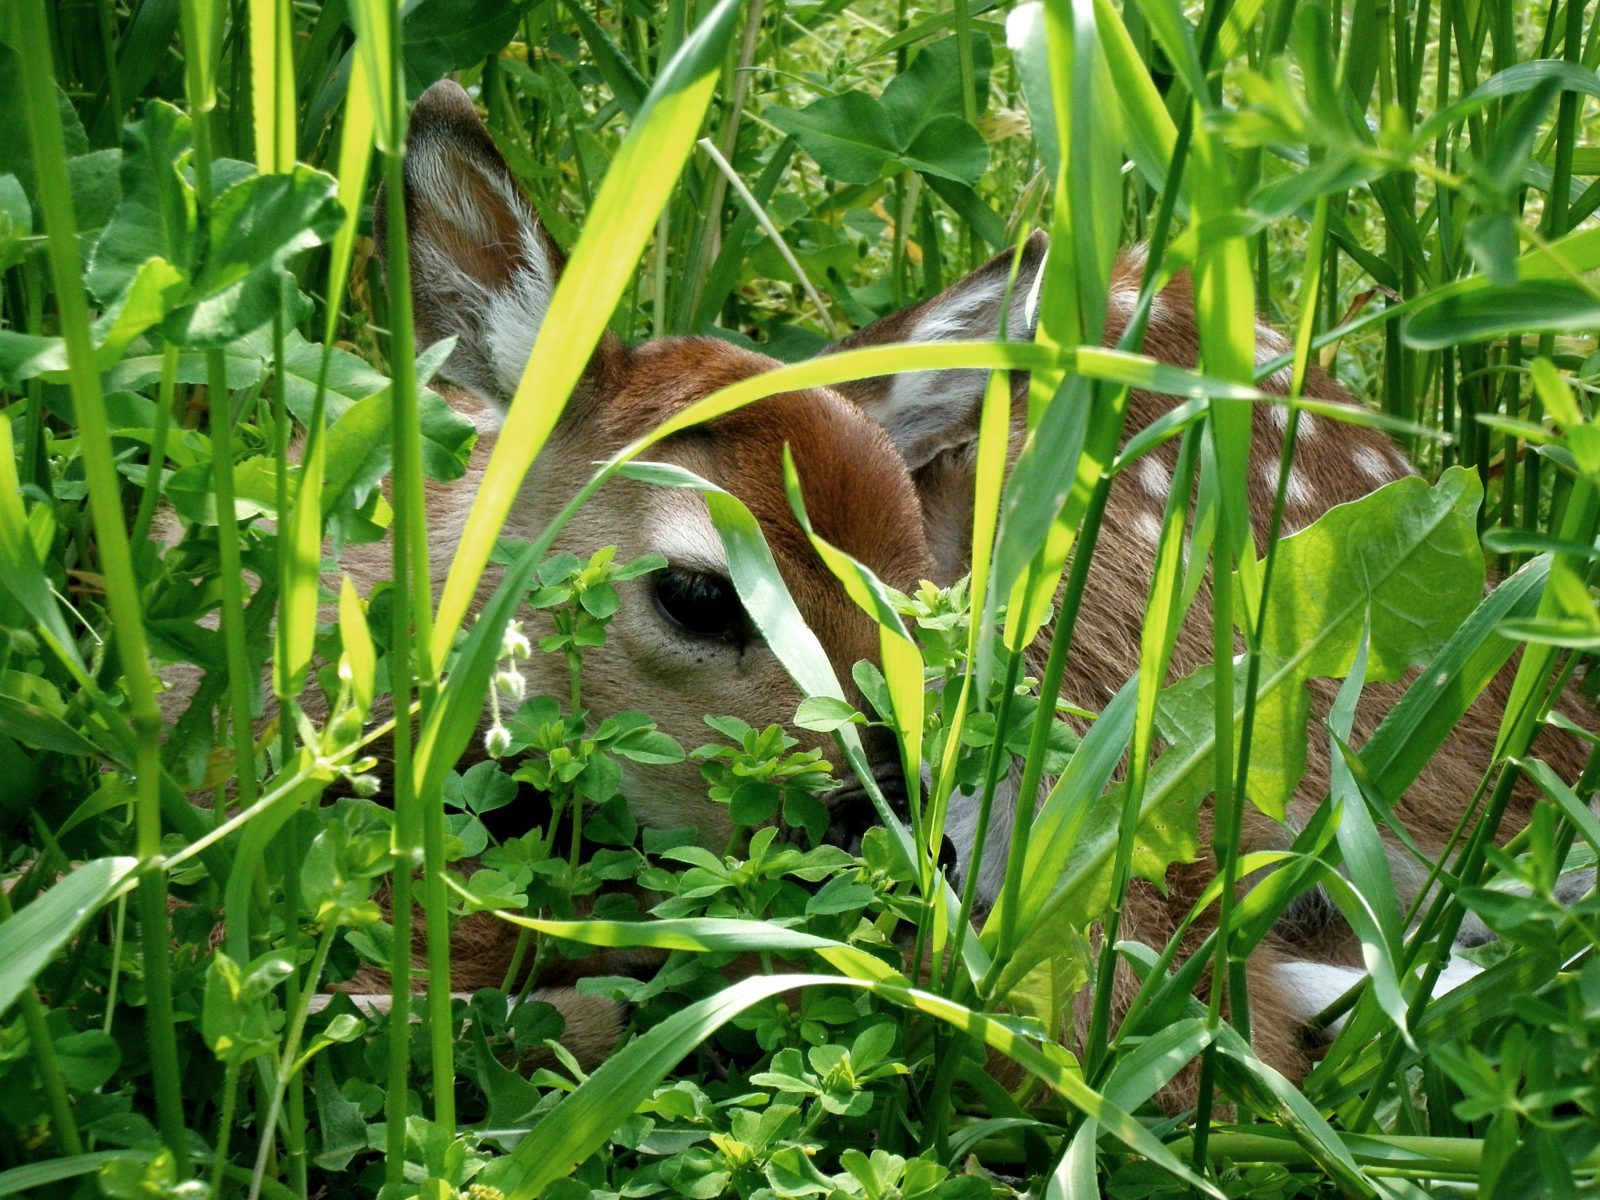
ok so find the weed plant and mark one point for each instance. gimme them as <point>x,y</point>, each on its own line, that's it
<point>191,289</point>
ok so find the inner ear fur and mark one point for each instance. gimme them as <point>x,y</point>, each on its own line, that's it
<point>482,265</point>
<point>928,412</point>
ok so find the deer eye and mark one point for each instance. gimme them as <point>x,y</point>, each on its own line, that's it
<point>701,604</point>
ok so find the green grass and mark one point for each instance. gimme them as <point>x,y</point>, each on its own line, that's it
<point>190,288</point>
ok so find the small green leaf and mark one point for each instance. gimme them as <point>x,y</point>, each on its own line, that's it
<point>824,714</point>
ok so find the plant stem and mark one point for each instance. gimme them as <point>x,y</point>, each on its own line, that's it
<point>291,1051</point>
<point>122,587</point>
<point>419,819</point>
<point>230,1102</point>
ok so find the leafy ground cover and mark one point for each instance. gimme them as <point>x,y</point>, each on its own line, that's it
<point>191,287</point>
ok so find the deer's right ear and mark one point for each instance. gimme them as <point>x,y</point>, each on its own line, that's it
<point>482,266</point>
<point>927,412</point>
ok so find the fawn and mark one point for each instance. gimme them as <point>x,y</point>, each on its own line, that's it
<point>888,466</point>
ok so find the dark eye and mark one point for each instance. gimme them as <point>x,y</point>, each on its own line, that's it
<point>701,604</point>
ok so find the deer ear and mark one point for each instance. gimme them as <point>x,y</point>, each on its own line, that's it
<point>927,412</point>
<point>482,266</point>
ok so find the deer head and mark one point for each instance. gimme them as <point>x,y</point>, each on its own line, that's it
<point>681,647</point>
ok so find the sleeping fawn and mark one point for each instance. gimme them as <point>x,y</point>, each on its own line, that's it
<point>888,466</point>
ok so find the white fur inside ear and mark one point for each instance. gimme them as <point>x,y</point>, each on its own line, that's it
<point>1030,308</point>
<point>480,263</point>
<point>516,313</point>
<point>929,411</point>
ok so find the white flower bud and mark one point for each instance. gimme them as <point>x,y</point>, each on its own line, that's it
<point>512,685</point>
<point>365,786</point>
<point>497,741</point>
<point>514,644</point>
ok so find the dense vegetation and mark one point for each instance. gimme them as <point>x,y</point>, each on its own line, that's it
<point>190,288</point>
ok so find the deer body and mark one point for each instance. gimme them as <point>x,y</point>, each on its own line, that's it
<point>888,468</point>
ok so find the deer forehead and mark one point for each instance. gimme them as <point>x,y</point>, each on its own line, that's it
<point>856,489</point>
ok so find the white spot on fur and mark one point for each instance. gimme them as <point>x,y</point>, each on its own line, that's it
<point>1296,493</point>
<point>1457,972</point>
<point>1310,987</point>
<point>1377,466</point>
<point>1153,477</point>
<point>1148,526</point>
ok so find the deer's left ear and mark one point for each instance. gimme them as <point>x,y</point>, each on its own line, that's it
<point>926,412</point>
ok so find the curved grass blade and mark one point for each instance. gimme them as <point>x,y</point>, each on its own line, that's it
<point>31,938</point>
<point>760,586</point>
<point>581,1123</point>
<point>902,661</point>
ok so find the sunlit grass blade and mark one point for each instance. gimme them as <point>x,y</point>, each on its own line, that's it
<point>602,263</point>
<point>901,660</point>
<point>272,84</point>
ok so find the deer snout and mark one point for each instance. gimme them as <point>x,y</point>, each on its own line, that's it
<point>850,807</point>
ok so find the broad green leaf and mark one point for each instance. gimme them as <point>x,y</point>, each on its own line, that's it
<point>930,87</point>
<point>1529,306</point>
<point>917,123</point>
<point>948,147</point>
<point>36,934</point>
<point>16,221</point>
<point>1278,754</point>
<point>850,135</point>
<point>155,287</point>
<point>255,227</point>
<point>156,218</point>
<point>440,36</point>
<point>1408,549</point>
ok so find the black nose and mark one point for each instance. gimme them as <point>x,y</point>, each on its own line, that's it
<point>851,811</point>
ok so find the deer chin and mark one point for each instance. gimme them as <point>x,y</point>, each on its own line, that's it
<point>674,797</point>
